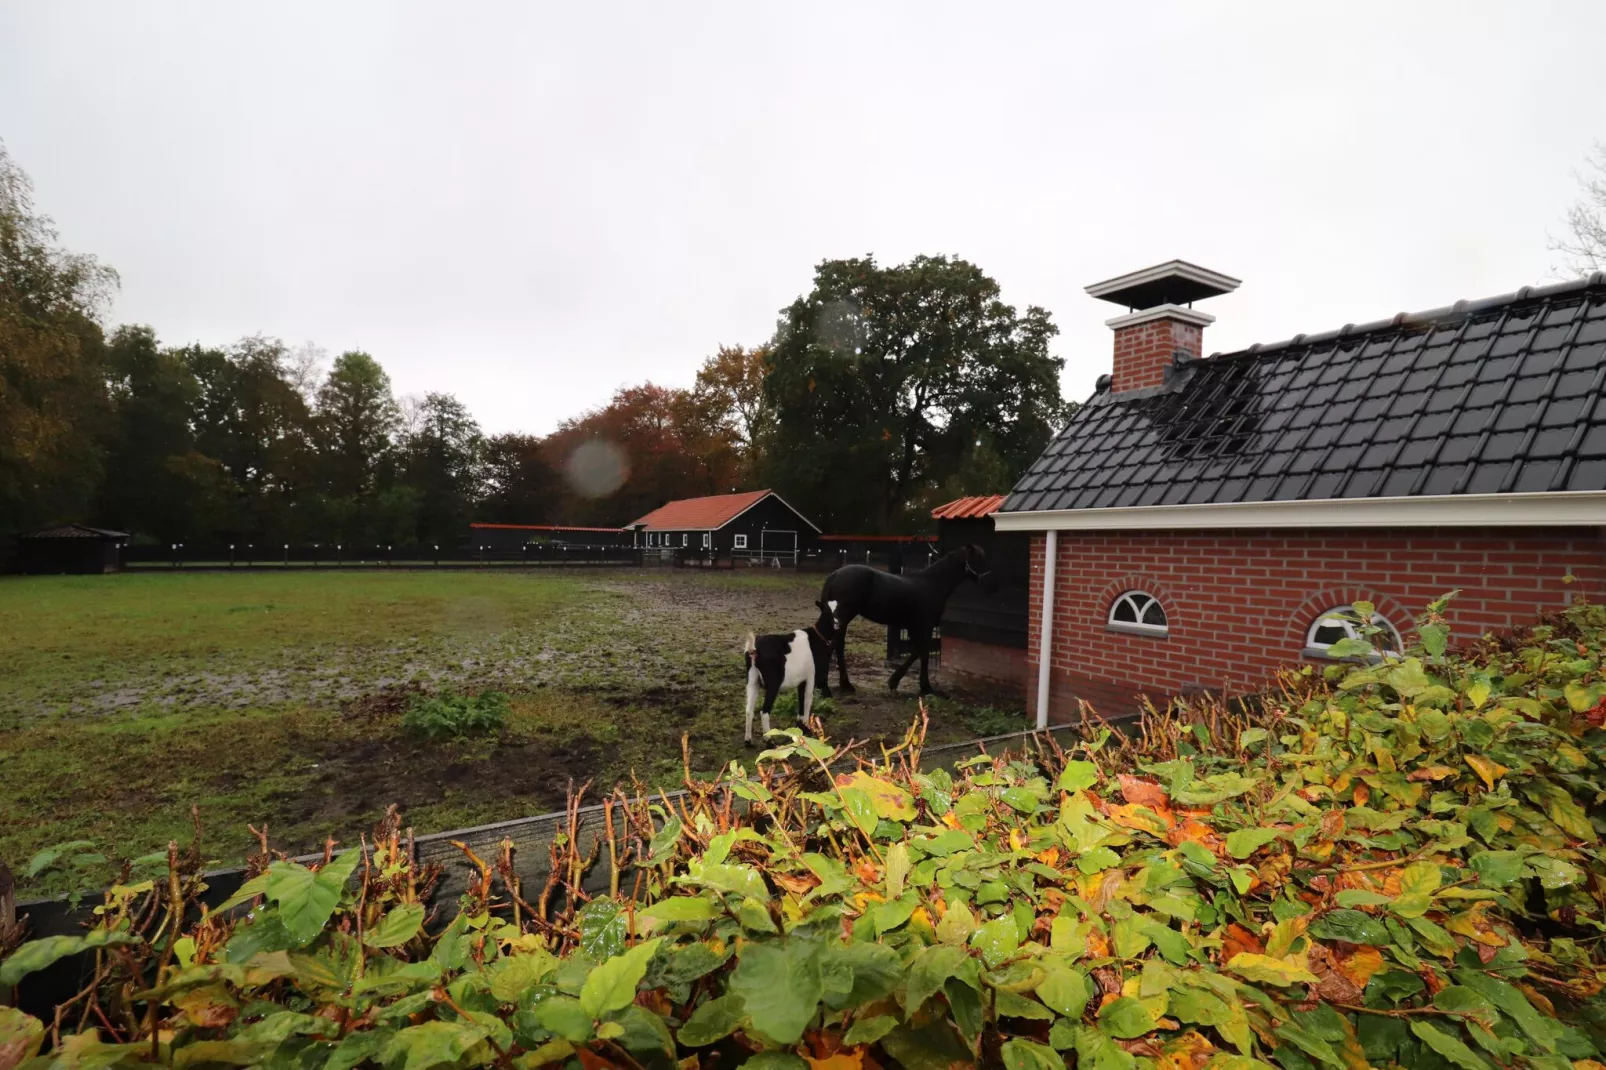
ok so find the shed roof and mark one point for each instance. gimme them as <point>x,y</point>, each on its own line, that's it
<point>1496,396</point>
<point>707,514</point>
<point>975,508</point>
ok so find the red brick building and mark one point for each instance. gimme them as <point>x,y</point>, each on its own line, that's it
<point>1198,519</point>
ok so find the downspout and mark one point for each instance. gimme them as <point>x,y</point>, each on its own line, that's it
<point>1045,638</point>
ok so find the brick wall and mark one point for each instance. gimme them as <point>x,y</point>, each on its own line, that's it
<point>1239,603</point>
<point>986,662</point>
<point>1144,351</point>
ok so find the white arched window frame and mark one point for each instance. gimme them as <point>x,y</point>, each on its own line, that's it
<point>1340,623</point>
<point>1138,612</point>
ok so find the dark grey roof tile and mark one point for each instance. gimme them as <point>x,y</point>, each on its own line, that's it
<point>1510,343</point>
<point>1364,484</point>
<point>1471,421</point>
<point>1587,475</point>
<point>1551,443</point>
<point>1326,485</point>
<point>1594,443</point>
<point>1536,475</point>
<point>1442,479</point>
<point>1527,389</point>
<point>1496,368</point>
<point>1487,478</point>
<point>1540,363</point>
<point>1512,416</point>
<point>1432,424</point>
<point>1571,384</point>
<point>1419,451</point>
<point>1502,446</point>
<point>1458,449</point>
<point>1564,412</point>
<point>1400,482</point>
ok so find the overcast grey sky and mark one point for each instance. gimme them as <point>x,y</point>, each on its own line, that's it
<point>530,205</point>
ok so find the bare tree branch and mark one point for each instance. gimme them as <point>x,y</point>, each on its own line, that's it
<point>1584,244</point>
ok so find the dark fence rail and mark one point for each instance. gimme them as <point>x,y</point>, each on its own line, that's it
<point>279,555</point>
<point>255,555</point>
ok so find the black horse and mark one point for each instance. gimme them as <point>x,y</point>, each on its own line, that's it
<point>914,601</point>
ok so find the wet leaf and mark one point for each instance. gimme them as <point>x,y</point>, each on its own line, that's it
<point>1351,926</point>
<point>1241,843</point>
<point>1078,775</point>
<point>612,985</point>
<point>1019,1054</point>
<point>1447,1044</point>
<point>714,1020</point>
<point>397,927</point>
<point>780,987</point>
<point>38,954</point>
<point>1488,770</point>
<point>1267,970</point>
<point>887,799</point>
<point>1126,1018</point>
<point>869,1030</point>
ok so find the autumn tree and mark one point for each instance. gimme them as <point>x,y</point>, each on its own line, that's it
<point>730,388</point>
<point>53,397</point>
<point>670,444</point>
<point>889,384</point>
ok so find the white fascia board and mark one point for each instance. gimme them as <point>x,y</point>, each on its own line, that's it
<point>1180,269</point>
<point>1577,508</point>
<point>762,500</point>
<point>1162,312</point>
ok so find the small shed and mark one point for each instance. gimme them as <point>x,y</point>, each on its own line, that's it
<point>984,634</point>
<point>71,548</point>
<point>757,524</point>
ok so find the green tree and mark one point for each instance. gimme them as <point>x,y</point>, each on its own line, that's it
<point>157,483</point>
<point>442,453</point>
<point>356,419</point>
<point>52,389</point>
<point>885,383</point>
<point>253,420</point>
<point>521,484</point>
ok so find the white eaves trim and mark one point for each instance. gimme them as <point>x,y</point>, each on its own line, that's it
<point>1162,312</point>
<point>1573,508</point>
<point>761,501</point>
<point>1171,269</point>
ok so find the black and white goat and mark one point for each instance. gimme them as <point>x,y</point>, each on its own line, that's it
<point>795,659</point>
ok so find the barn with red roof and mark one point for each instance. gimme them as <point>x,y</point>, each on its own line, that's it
<point>757,523</point>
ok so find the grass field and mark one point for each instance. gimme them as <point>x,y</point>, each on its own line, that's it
<point>126,700</point>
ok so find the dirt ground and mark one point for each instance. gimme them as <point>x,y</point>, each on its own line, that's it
<point>280,698</point>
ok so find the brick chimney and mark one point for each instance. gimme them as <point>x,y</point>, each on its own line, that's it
<point>1161,327</point>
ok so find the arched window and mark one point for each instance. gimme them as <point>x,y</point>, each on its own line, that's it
<point>1137,611</point>
<point>1340,623</point>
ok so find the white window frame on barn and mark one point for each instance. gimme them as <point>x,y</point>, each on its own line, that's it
<point>1339,623</point>
<point>741,542</point>
<point>685,540</point>
<point>706,539</point>
<point>1143,607</point>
